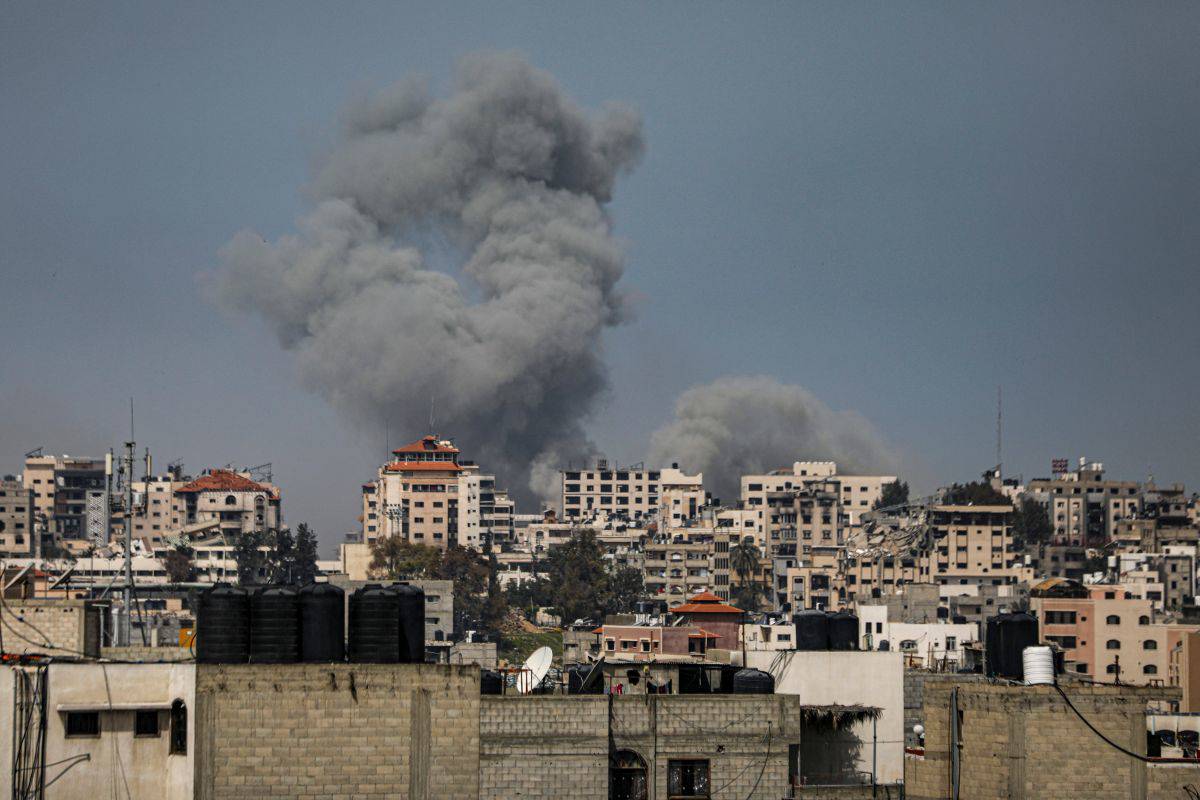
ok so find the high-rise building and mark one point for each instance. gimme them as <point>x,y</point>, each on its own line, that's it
<point>1084,507</point>
<point>218,502</point>
<point>68,500</point>
<point>426,495</point>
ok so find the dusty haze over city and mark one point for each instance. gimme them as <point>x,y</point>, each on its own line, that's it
<point>732,239</point>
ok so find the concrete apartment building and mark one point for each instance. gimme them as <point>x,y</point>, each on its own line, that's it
<point>856,493</point>
<point>68,499</point>
<point>972,544</point>
<point>684,562</point>
<point>924,645</point>
<point>16,518</point>
<point>425,495</point>
<point>218,503</point>
<point>1084,507</point>
<point>1105,632</point>
<point>631,492</point>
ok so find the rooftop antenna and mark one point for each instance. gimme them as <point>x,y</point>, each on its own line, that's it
<point>34,453</point>
<point>431,413</point>
<point>999,426</point>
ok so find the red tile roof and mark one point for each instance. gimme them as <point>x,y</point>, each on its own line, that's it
<point>223,480</point>
<point>426,444</point>
<point>705,603</point>
<point>423,466</point>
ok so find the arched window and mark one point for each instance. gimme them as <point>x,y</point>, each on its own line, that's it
<point>1150,644</point>
<point>1113,619</point>
<point>1143,620</point>
<point>627,776</point>
<point>1113,644</point>
<point>178,728</point>
<point>1149,669</point>
<point>230,500</point>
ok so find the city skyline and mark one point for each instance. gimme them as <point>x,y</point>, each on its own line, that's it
<point>896,233</point>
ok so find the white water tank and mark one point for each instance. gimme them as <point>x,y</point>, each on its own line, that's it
<point>1038,664</point>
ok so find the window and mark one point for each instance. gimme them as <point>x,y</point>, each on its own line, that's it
<point>178,728</point>
<point>1112,644</point>
<point>1111,669</point>
<point>1060,617</point>
<point>146,723</point>
<point>1143,620</point>
<point>83,723</point>
<point>1149,644</point>
<point>230,500</point>
<point>1149,669</point>
<point>1112,619</point>
<point>951,642</point>
<point>687,778</point>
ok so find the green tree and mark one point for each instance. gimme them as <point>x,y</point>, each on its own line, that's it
<point>748,596</point>
<point>470,575</point>
<point>250,557</point>
<point>744,558</point>
<point>625,590</point>
<point>1031,524</point>
<point>978,493</point>
<point>894,494</point>
<point>281,556</point>
<point>394,559</point>
<point>305,560</point>
<point>179,563</point>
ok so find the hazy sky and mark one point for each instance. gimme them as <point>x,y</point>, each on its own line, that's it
<point>897,206</point>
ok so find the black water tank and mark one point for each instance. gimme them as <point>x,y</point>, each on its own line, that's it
<point>491,682</point>
<point>753,681</point>
<point>322,623</point>
<point>843,631</point>
<point>1016,632</point>
<point>991,645</point>
<point>812,630</point>
<point>375,626</point>
<point>274,625</point>
<point>412,623</point>
<point>223,625</point>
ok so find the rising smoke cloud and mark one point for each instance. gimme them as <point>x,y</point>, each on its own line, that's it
<point>511,176</point>
<point>743,425</point>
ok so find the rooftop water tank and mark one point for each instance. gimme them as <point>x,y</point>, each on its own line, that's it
<point>322,623</point>
<point>412,623</point>
<point>274,625</point>
<point>1007,637</point>
<point>753,681</point>
<point>843,631</point>
<point>491,682</point>
<point>374,626</point>
<point>812,630</point>
<point>1038,666</point>
<point>223,625</point>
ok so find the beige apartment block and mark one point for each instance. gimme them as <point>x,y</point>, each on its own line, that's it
<point>857,493</point>
<point>685,562</point>
<point>68,499</point>
<point>427,496</point>
<point>1084,507</point>
<point>972,544</point>
<point>1105,632</point>
<point>631,492</point>
<point>16,518</point>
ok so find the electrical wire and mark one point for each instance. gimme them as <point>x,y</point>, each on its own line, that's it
<point>1096,730</point>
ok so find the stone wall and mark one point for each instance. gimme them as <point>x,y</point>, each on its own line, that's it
<point>915,681</point>
<point>558,746</point>
<point>149,655</point>
<point>337,731</point>
<point>69,628</point>
<point>1024,742</point>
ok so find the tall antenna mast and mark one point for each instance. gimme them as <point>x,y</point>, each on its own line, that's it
<point>431,413</point>
<point>127,595</point>
<point>999,427</point>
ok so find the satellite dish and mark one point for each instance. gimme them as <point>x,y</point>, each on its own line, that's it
<point>534,670</point>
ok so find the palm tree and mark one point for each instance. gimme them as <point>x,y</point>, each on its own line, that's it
<point>744,559</point>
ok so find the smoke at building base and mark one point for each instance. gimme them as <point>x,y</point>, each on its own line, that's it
<point>744,425</point>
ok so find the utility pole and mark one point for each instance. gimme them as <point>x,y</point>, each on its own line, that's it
<point>127,597</point>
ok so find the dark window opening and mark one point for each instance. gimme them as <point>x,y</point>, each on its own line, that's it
<point>687,778</point>
<point>178,728</point>
<point>146,724</point>
<point>83,723</point>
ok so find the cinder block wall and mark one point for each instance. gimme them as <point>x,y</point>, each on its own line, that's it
<point>68,628</point>
<point>556,746</point>
<point>1024,742</point>
<point>337,731</point>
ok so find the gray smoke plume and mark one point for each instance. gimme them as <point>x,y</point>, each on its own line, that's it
<point>509,176</point>
<point>744,425</point>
